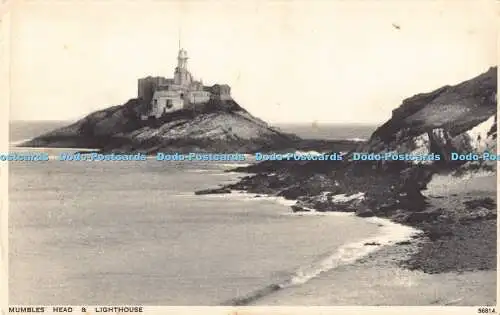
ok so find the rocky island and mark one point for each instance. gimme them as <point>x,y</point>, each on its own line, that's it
<point>452,201</point>
<point>178,114</point>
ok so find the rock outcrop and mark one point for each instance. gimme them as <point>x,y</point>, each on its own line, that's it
<point>213,128</point>
<point>218,126</point>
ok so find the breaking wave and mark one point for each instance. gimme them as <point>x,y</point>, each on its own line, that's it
<point>346,254</point>
<point>349,253</point>
<point>357,139</point>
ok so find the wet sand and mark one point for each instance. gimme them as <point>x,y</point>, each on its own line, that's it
<point>457,268</point>
<point>378,280</point>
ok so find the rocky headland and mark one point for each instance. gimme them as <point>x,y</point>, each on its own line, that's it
<point>217,126</point>
<point>458,221</point>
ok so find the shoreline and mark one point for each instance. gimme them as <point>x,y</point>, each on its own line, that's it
<point>421,261</point>
<point>378,279</point>
<point>456,238</point>
<point>389,234</point>
<point>429,213</point>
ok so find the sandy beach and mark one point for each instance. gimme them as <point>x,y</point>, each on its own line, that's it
<point>378,279</point>
<point>457,269</point>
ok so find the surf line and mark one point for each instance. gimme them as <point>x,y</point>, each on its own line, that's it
<point>390,233</point>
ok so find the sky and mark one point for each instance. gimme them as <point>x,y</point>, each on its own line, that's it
<point>286,61</point>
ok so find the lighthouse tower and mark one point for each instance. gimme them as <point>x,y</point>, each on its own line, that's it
<point>182,59</point>
<point>182,77</point>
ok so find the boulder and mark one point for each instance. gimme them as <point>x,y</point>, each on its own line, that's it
<point>423,216</point>
<point>364,212</point>
<point>297,208</point>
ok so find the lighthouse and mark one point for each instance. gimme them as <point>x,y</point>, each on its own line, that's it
<point>182,77</point>
<point>182,59</point>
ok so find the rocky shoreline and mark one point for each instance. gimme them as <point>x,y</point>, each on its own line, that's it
<point>463,225</point>
<point>459,228</point>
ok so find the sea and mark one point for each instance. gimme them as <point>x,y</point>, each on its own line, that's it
<point>134,233</point>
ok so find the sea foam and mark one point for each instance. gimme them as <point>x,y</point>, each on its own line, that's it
<point>389,233</point>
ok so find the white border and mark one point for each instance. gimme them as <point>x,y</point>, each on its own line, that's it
<point>5,27</point>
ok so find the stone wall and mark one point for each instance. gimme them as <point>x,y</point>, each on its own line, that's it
<point>163,95</point>
<point>221,92</point>
<point>163,105</point>
<point>197,97</point>
<point>147,86</point>
<point>166,102</point>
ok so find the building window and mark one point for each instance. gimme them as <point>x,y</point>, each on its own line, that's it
<point>169,104</point>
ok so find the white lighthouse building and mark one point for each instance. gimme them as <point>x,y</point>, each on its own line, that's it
<point>182,91</point>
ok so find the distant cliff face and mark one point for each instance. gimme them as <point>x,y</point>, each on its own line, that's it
<point>216,127</point>
<point>460,118</point>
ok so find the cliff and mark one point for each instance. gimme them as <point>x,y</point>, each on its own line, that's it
<point>460,118</point>
<point>218,126</point>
